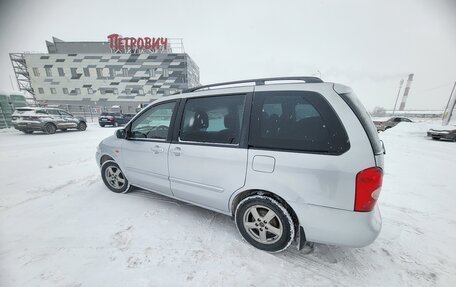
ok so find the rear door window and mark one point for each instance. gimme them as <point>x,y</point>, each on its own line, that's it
<point>53,112</point>
<point>296,121</point>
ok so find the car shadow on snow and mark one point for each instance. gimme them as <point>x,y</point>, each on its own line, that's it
<point>41,133</point>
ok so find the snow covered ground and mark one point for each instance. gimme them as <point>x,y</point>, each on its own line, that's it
<point>60,226</point>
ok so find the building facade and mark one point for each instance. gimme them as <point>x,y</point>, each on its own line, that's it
<point>98,74</point>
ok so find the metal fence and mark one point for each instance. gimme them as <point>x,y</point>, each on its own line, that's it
<point>90,113</point>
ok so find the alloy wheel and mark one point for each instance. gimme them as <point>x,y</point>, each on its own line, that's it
<point>115,177</point>
<point>263,224</point>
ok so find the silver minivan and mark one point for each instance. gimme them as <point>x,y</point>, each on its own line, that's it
<point>290,159</point>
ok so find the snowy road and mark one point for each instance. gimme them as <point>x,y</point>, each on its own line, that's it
<point>60,226</point>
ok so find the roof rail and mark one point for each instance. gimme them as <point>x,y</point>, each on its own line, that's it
<point>258,82</point>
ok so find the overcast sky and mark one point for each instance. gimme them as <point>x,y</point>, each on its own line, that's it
<point>368,45</point>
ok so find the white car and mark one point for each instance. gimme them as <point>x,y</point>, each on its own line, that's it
<point>297,161</point>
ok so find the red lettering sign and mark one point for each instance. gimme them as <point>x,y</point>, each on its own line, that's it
<point>127,44</point>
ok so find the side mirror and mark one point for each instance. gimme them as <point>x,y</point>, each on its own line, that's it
<point>121,134</point>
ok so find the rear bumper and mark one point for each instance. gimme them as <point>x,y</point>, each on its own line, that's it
<point>441,135</point>
<point>338,227</point>
<point>28,126</point>
<point>108,122</point>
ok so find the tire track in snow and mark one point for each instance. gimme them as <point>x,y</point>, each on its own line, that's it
<point>86,181</point>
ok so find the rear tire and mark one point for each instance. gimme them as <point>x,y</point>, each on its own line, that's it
<point>114,178</point>
<point>102,125</point>
<point>82,126</point>
<point>50,128</point>
<point>265,223</point>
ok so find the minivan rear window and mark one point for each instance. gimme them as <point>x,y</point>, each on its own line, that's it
<point>357,107</point>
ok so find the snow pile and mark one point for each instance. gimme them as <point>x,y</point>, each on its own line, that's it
<point>59,225</point>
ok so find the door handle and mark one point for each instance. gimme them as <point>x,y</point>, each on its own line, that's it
<point>157,149</point>
<point>177,151</point>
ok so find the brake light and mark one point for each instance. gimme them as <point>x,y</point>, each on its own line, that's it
<point>368,187</point>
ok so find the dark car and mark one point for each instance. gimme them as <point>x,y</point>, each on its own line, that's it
<point>48,120</point>
<point>448,133</point>
<point>113,119</point>
<point>392,122</point>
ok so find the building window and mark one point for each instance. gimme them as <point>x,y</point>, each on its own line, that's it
<point>40,90</point>
<point>165,72</point>
<point>127,91</point>
<point>151,73</point>
<point>89,91</point>
<point>65,91</point>
<point>111,72</point>
<point>86,72</point>
<point>78,91</point>
<point>115,91</point>
<point>36,72</point>
<point>53,91</point>
<point>48,72</point>
<point>153,91</point>
<point>99,72</point>
<point>61,72</point>
<point>74,72</point>
<point>125,72</point>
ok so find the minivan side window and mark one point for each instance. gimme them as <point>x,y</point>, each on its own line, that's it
<point>153,123</point>
<point>297,121</point>
<point>216,119</point>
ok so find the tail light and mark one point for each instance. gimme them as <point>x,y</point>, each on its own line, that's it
<point>368,187</point>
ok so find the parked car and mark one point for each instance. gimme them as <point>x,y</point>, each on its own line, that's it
<point>390,123</point>
<point>290,161</point>
<point>48,120</point>
<point>445,133</point>
<point>113,119</point>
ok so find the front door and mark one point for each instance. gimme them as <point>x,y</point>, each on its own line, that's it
<point>145,152</point>
<point>68,120</point>
<point>207,161</point>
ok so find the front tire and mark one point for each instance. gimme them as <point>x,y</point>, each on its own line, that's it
<point>265,223</point>
<point>114,178</point>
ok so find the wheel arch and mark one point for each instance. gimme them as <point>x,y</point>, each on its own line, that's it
<point>250,192</point>
<point>51,123</point>
<point>106,157</point>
